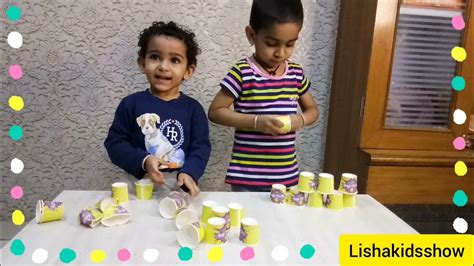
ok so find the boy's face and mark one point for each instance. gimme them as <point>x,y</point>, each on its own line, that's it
<point>165,66</point>
<point>274,45</point>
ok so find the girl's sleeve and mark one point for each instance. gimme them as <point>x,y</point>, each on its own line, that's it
<point>232,82</point>
<point>304,85</point>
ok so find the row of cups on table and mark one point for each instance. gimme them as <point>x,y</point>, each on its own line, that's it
<point>215,223</point>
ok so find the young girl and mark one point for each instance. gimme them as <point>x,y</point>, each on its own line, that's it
<point>264,89</point>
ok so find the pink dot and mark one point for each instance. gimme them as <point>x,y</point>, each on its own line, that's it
<point>247,253</point>
<point>15,72</point>
<point>459,143</point>
<point>458,22</point>
<point>16,192</point>
<point>123,254</point>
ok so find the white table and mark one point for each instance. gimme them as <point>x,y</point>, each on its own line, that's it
<point>285,225</point>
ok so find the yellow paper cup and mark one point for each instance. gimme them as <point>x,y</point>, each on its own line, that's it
<point>349,200</point>
<point>190,235</point>
<point>216,232</point>
<point>286,120</point>
<point>170,205</point>
<point>144,189</point>
<point>334,201</point>
<point>207,210</point>
<point>315,200</point>
<point>222,212</point>
<point>326,183</point>
<point>185,216</point>
<point>278,193</point>
<point>90,217</point>
<point>249,232</point>
<point>236,214</point>
<point>307,182</point>
<point>348,183</point>
<point>115,215</point>
<point>104,203</point>
<point>48,211</point>
<point>120,192</point>
<point>296,197</point>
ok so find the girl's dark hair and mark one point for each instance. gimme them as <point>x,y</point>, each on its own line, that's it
<point>266,13</point>
<point>173,30</point>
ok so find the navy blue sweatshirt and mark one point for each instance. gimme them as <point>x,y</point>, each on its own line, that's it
<point>176,131</point>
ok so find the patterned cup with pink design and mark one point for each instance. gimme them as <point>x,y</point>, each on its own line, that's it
<point>296,197</point>
<point>348,183</point>
<point>48,211</point>
<point>170,205</point>
<point>216,232</point>
<point>277,195</point>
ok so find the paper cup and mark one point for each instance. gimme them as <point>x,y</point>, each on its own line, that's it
<point>104,203</point>
<point>315,200</point>
<point>144,189</point>
<point>120,192</point>
<point>286,120</point>
<point>185,216</point>
<point>326,183</point>
<point>296,197</point>
<point>349,200</point>
<point>216,232</point>
<point>171,204</point>
<point>278,193</point>
<point>333,201</point>
<point>236,214</point>
<point>222,212</point>
<point>348,183</point>
<point>249,232</point>
<point>190,235</point>
<point>48,211</point>
<point>207,210</point>
<point>115,215</point>
<point>90,217</point>
<point>307,182</point>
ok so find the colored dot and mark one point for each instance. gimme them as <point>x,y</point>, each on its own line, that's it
<point>185,254</point>
<point>460,198</point>
<point>15,40</point>
<point>15,72</point>
<point>16,192</point>
<point>16,132</point>
<point>124,254</point>
<point>13,13</point>
<point>215,254</point>
<point>18,218</point>
<point>280,253</point>
<point>67,255</point>
<point>16,103</point>
<point>460,168</point>
<point>17,247</point>
<point>459,54</point>
<point>460,225</point>
<point>459,143</point>
<point>247,253</point>
<point>307,251</point>
<point>459,117</point>
<point>151,255</point>
<point>98,256</point>
<point>16,166</point>
<point>458,22</point>
<point>39,256</point>
<point>458,83</point>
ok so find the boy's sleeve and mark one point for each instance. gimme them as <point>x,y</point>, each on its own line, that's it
<point>199,150</point>
<point>305,84</point>
<point>232,82</point>
<point>119,143</point>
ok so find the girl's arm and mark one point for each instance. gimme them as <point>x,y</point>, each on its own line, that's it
<point>310,112</point>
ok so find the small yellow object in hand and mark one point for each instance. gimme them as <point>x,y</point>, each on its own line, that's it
<point>285,119</point>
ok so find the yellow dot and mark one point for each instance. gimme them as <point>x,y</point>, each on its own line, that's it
<point>460,168</point>
<point>16,103</point>
<point>18,218</point>
<point>459,54</point>
<point>215,254</point>
<point>98,256</point>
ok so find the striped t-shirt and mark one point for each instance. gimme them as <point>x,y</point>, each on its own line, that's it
<point>258,159</point>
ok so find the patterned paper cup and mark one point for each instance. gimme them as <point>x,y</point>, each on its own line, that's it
<point>286,120</point>
<point>222,212</point>
<point>190,235</point>
<point>349,200</point>
<point>120,192</point>
<point>249,232</point>
<point>236,214</point>
<point>171,204</point>
<point>296,197</point>
<point>348,183</point>
<point>48,211</point>
<point>185,216</point>
<point>144,189</point>
<point>216,232</point>
<point>207,210</point>
<point>333,201</point>
<point>90,217</point>
<point>315,200</point>
<point>278,193</point>
<point>307,182</point>
<point>104,203</point>
<point>326,183</point>
<point>115,215</point>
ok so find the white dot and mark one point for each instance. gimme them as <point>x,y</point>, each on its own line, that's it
<point>151,255</point>
<point>459,117</point>
<point>15,40</point>
<point>460,225</point>
<point>280,253</point>
<point>17,166</point>
<point>39,256</point>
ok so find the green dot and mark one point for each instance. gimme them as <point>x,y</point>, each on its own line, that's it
<point>307,251</point>
<point>67,255</point>
<point>16,132</point>
<point>13,13</point>
<point>460,198</point>
<point>185,254</point>
<point>458,83</point>
<point>17,247</point>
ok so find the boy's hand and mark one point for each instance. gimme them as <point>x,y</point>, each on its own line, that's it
<point>188,181</point>
<point>151,166</point>
<point>269,124</point>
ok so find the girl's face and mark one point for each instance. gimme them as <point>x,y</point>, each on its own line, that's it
<point>275,44</point>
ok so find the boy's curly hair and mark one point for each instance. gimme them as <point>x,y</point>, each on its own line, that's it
<point>173,30</point>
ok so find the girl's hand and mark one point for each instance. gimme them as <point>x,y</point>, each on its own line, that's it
<point>188,181</point>
<point>269,124</point>
<point>152,164</point>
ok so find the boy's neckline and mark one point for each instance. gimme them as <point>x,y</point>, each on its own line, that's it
<point>253,65</point>
<point>164,100</point>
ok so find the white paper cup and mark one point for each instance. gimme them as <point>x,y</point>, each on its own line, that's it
<point>190,235</point>
<point>170,205</point>
<point>185,216</point>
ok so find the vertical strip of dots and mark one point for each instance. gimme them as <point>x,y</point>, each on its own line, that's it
<point>458,84</point>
